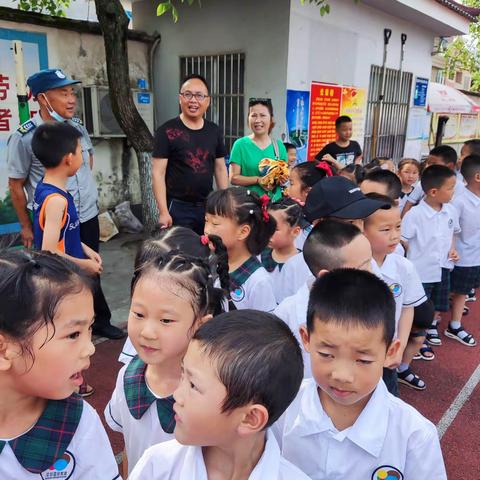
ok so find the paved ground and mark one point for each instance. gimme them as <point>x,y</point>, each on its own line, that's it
<point>451,400</point>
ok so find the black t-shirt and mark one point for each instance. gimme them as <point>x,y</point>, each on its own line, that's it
<point>344,155</point>
<point>191,158</point>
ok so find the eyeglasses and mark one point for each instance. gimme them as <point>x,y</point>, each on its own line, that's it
<point>255,101</point>
<point>200,97</point>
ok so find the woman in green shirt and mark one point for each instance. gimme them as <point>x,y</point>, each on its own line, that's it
<point>247,152</point>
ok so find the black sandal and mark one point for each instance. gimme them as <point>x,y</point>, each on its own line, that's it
<point>468,340</point>
<point>421,355</point>
<point>411,380</point>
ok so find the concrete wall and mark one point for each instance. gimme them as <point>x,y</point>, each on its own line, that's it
<point>82,56</point>
<point>257,29</point>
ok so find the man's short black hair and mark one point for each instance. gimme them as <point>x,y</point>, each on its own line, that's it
<point>196,76</point>
<point>52,141</point>
<point>470,167</point>
<point>257,358</point>
<point>435,176</point>
<point>447,153</point>
<point>321,250</point>
<point>350,297</point>
<point>342,119</point>
<point>387,178</point>
<point>289,146</point>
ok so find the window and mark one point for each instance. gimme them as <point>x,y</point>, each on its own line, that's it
<point>386,122</point>
<point>458,77</point>
<point>225,75</point>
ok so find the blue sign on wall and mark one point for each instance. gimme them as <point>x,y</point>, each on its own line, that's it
<point>143,97</point>
<point>420,96</point>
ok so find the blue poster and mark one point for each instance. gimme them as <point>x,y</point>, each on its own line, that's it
<point>420,95</point>
<point>297,121</point>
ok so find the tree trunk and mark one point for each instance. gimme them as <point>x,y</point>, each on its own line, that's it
<point>114,24</point>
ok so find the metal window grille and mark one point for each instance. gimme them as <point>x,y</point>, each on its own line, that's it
<point>386,122</point>
<point>225,75</point>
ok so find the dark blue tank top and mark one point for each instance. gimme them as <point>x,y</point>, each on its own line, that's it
<point>69,241</point>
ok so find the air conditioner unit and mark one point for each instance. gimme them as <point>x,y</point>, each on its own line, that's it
<point>98,117</point>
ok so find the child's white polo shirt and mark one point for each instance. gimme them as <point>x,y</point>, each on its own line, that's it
<point>293,311</point>
<point>294,274</point>
<point>66,442</point>
<point>429,234</point>
<point>138,418</point>
<point>403,281</point>
<point>468,241</point>
<point>251,287</point>
<point>173,461</point>
<point>388,436</point>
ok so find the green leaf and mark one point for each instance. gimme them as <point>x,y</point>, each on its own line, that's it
<point>163,8</point>
<point>174,14</point>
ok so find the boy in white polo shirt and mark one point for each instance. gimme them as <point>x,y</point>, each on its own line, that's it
<point>382,229</point>
<point>344,424</point>
<point>332,197</point>
<point>241,371</point>
<point>428,230</point>
<point>441,155</point>
<point>466,273</point>
<point>331,244</point>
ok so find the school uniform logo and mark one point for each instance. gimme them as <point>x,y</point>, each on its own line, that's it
<point>396,289</point>
<point>387,472</point>
<point>62,468</point>
<point>238,294</point>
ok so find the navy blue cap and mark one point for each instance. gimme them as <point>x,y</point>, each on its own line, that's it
<point>47,80</point>
<point>341,198</point>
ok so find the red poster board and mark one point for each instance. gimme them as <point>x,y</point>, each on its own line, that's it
<point>325,105</point>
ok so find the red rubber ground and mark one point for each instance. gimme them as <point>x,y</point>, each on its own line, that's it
<point>445,377</point>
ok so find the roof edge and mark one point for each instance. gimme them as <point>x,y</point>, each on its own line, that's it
<point>471,13</point>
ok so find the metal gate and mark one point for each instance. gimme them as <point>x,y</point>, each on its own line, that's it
<point>386,122</point>
<point>225,75</point>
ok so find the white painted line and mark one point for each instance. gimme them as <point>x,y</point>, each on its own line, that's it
<point>458,403</point>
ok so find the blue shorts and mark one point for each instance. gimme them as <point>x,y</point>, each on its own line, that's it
<point>463,279</point>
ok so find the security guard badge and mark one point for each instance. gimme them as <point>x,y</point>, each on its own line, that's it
<point>387,472</point>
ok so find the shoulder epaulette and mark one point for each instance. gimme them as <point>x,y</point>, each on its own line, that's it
<point>26,127</point>
<point>77,120</point>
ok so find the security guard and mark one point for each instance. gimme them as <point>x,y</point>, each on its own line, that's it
<point>54,92</point>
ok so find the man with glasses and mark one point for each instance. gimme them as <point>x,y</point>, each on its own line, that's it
<point>188,152</point>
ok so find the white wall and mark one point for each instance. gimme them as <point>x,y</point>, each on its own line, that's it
<point>257,28</point>
<point>341,47</point>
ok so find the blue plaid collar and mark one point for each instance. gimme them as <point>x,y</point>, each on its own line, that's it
<point>139,397</point>
<point>268,262</point>
<point>46,442</point>
<point>239,276</point>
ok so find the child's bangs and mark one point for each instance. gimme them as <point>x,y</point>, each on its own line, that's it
<point>220,203</point>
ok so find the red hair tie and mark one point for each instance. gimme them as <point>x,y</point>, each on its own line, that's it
<point>325,166</point>
<point>265,199</point>
<point>204,239</point>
